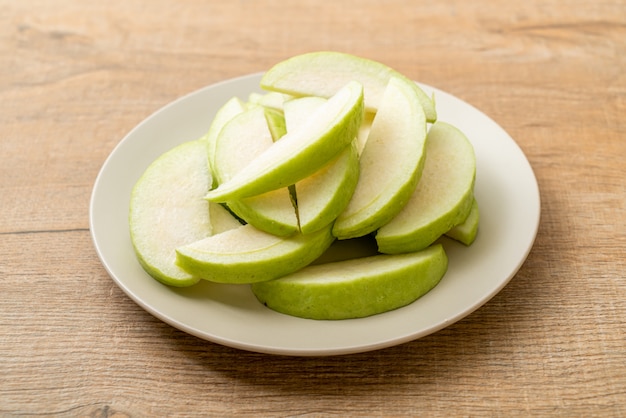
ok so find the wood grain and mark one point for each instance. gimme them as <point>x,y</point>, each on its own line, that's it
<point>76,76</point>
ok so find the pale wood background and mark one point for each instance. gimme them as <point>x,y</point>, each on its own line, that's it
<point>76,76</point>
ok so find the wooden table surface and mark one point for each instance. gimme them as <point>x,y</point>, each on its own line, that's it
<point>76,76</point>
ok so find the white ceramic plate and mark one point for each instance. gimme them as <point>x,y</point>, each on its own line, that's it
<point>506,190</point>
